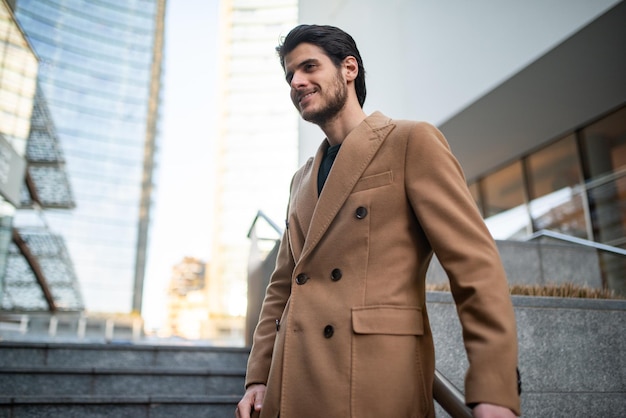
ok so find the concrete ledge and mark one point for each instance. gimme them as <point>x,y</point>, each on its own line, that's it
<point>119,407</point>
<point>112,382</point>
<point>155,371</point>
<point>30,354</point>
<point>544,302</point>
<point>539,263</point>
<point>82,400</point>
<point>570,350</point>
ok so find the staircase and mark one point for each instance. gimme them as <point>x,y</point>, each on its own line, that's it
<point>118,381</point>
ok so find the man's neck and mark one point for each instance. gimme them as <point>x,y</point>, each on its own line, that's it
<point>338,128</point>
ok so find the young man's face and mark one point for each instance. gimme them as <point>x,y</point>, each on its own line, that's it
<point>318,88</point>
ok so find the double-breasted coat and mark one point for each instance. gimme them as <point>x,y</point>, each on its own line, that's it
<point>344,331</point>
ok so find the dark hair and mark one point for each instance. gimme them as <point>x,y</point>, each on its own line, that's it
<point>336,43</point>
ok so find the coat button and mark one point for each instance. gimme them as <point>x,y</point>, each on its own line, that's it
<point>301,278</point>
<point>361,212</point>
<point>328,331</point>
<point>335,275</point>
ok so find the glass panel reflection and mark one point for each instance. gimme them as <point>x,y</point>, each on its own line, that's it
<point>607,200</point>
<point>505,211</point>
<point>555,186</point>
<point>604,145</point>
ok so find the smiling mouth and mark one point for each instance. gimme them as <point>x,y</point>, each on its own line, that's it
<point>306,96</point>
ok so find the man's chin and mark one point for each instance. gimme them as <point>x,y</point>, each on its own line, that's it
<point>308,116</point>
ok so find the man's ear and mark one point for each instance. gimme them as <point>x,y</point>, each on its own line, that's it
<point>350,68</point>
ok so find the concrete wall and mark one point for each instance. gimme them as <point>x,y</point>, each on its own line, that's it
<point>570,353</point>
<point>540,263</point>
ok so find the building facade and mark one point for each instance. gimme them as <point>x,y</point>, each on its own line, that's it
<point>100,72</point>
<point>558,131</point>
<point>535,113</point>
<point>36,272</point>
<point>256,151</point>
<point>187,301</point>
<point>18,84</point>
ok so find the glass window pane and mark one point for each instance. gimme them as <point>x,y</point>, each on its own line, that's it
<point>556,189</point>
<point>505,208</point>
<point>604,144</point>
<point>608,212</point>
<point>607,200</point>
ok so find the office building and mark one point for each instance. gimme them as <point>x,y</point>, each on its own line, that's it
<point>18,83</point>
<point>256,151</point>
<point>187,302</point>
<point>563,165</point>
<point>100,74</point>
<point>531,97</point>
<point>36,273</point>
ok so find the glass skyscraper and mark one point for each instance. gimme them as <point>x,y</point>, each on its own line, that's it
<point>18,81</point>
<point>100,71</point>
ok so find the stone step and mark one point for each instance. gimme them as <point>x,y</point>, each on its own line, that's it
<point>152,381</point>
<point>32,354</point>
<point>118,407</point>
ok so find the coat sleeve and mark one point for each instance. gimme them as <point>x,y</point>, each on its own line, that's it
<point>276,297</point>
<point>447,213</point>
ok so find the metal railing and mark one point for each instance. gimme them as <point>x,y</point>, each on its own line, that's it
<point>575,240</point>
<point>270,222</point>
<point>449,397</point>
<point>611,259</point>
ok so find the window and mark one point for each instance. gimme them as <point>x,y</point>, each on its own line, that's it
<point>557,195</point>
<point>604,143</point>
<point>505,211</point>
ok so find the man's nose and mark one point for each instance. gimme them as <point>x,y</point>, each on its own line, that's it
<point>298,80</point>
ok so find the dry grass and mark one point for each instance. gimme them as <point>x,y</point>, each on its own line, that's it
<point>567,290</point>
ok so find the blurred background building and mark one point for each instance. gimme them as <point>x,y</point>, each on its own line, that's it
<point>257,146</point>
<point>36,272</point>
<point>187,302</point>
<point>100,73</point>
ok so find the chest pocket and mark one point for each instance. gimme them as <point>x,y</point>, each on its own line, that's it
<point>373,181</point>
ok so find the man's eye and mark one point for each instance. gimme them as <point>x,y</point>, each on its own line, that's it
<point>309,67</point>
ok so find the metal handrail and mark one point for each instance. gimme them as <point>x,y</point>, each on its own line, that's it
<point>267,219</point>
<point>449,397</point>
<point>576,240</point>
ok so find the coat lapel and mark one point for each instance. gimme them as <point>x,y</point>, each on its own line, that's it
<point>355,154</point>
<point>305,192</point>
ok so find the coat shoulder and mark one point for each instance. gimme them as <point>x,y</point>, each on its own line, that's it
<point>423,133</point>
<point>416,127</point>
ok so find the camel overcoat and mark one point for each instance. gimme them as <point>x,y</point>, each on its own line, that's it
<point>344,331</point>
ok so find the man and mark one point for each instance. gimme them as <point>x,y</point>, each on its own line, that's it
<point>344,331</point>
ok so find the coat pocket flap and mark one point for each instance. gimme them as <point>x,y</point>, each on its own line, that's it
<point>391,320</point>
<point>371,182</point>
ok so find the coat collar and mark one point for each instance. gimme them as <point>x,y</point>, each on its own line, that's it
<point>357,151</point>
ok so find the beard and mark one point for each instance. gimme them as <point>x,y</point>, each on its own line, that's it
<point>335,102</point>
